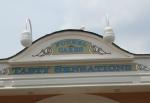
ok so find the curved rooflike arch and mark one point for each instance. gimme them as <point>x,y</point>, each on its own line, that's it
<point>73,30</point>
<point>77,98</point>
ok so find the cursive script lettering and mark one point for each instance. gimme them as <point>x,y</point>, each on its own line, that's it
<point>44,52</point>
<point>99,50</point>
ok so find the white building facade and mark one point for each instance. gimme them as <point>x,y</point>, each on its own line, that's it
<point>75,66</point>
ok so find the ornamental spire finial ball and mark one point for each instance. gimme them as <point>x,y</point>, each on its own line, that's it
<point>26,35</point>
<point>108,32</point>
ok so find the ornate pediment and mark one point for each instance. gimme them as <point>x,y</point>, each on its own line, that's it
<point>71,45</point>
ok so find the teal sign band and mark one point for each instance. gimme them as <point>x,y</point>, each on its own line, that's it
<point>71,46</point>
<point>71,69</point>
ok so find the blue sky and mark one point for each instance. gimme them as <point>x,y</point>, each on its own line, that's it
<point>129,19</point>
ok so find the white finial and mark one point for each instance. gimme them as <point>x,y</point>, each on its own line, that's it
<point>107,20</point>
<point>26,35</point>
<point>28,25</point>
<point>108,32</point>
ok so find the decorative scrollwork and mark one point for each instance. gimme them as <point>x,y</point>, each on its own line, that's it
<point>141,67</point>
<point>98,50</point>
<point>71,46</point>
<point>44,52</point>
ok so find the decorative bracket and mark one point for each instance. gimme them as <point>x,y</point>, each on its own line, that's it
<point>141,67</point>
